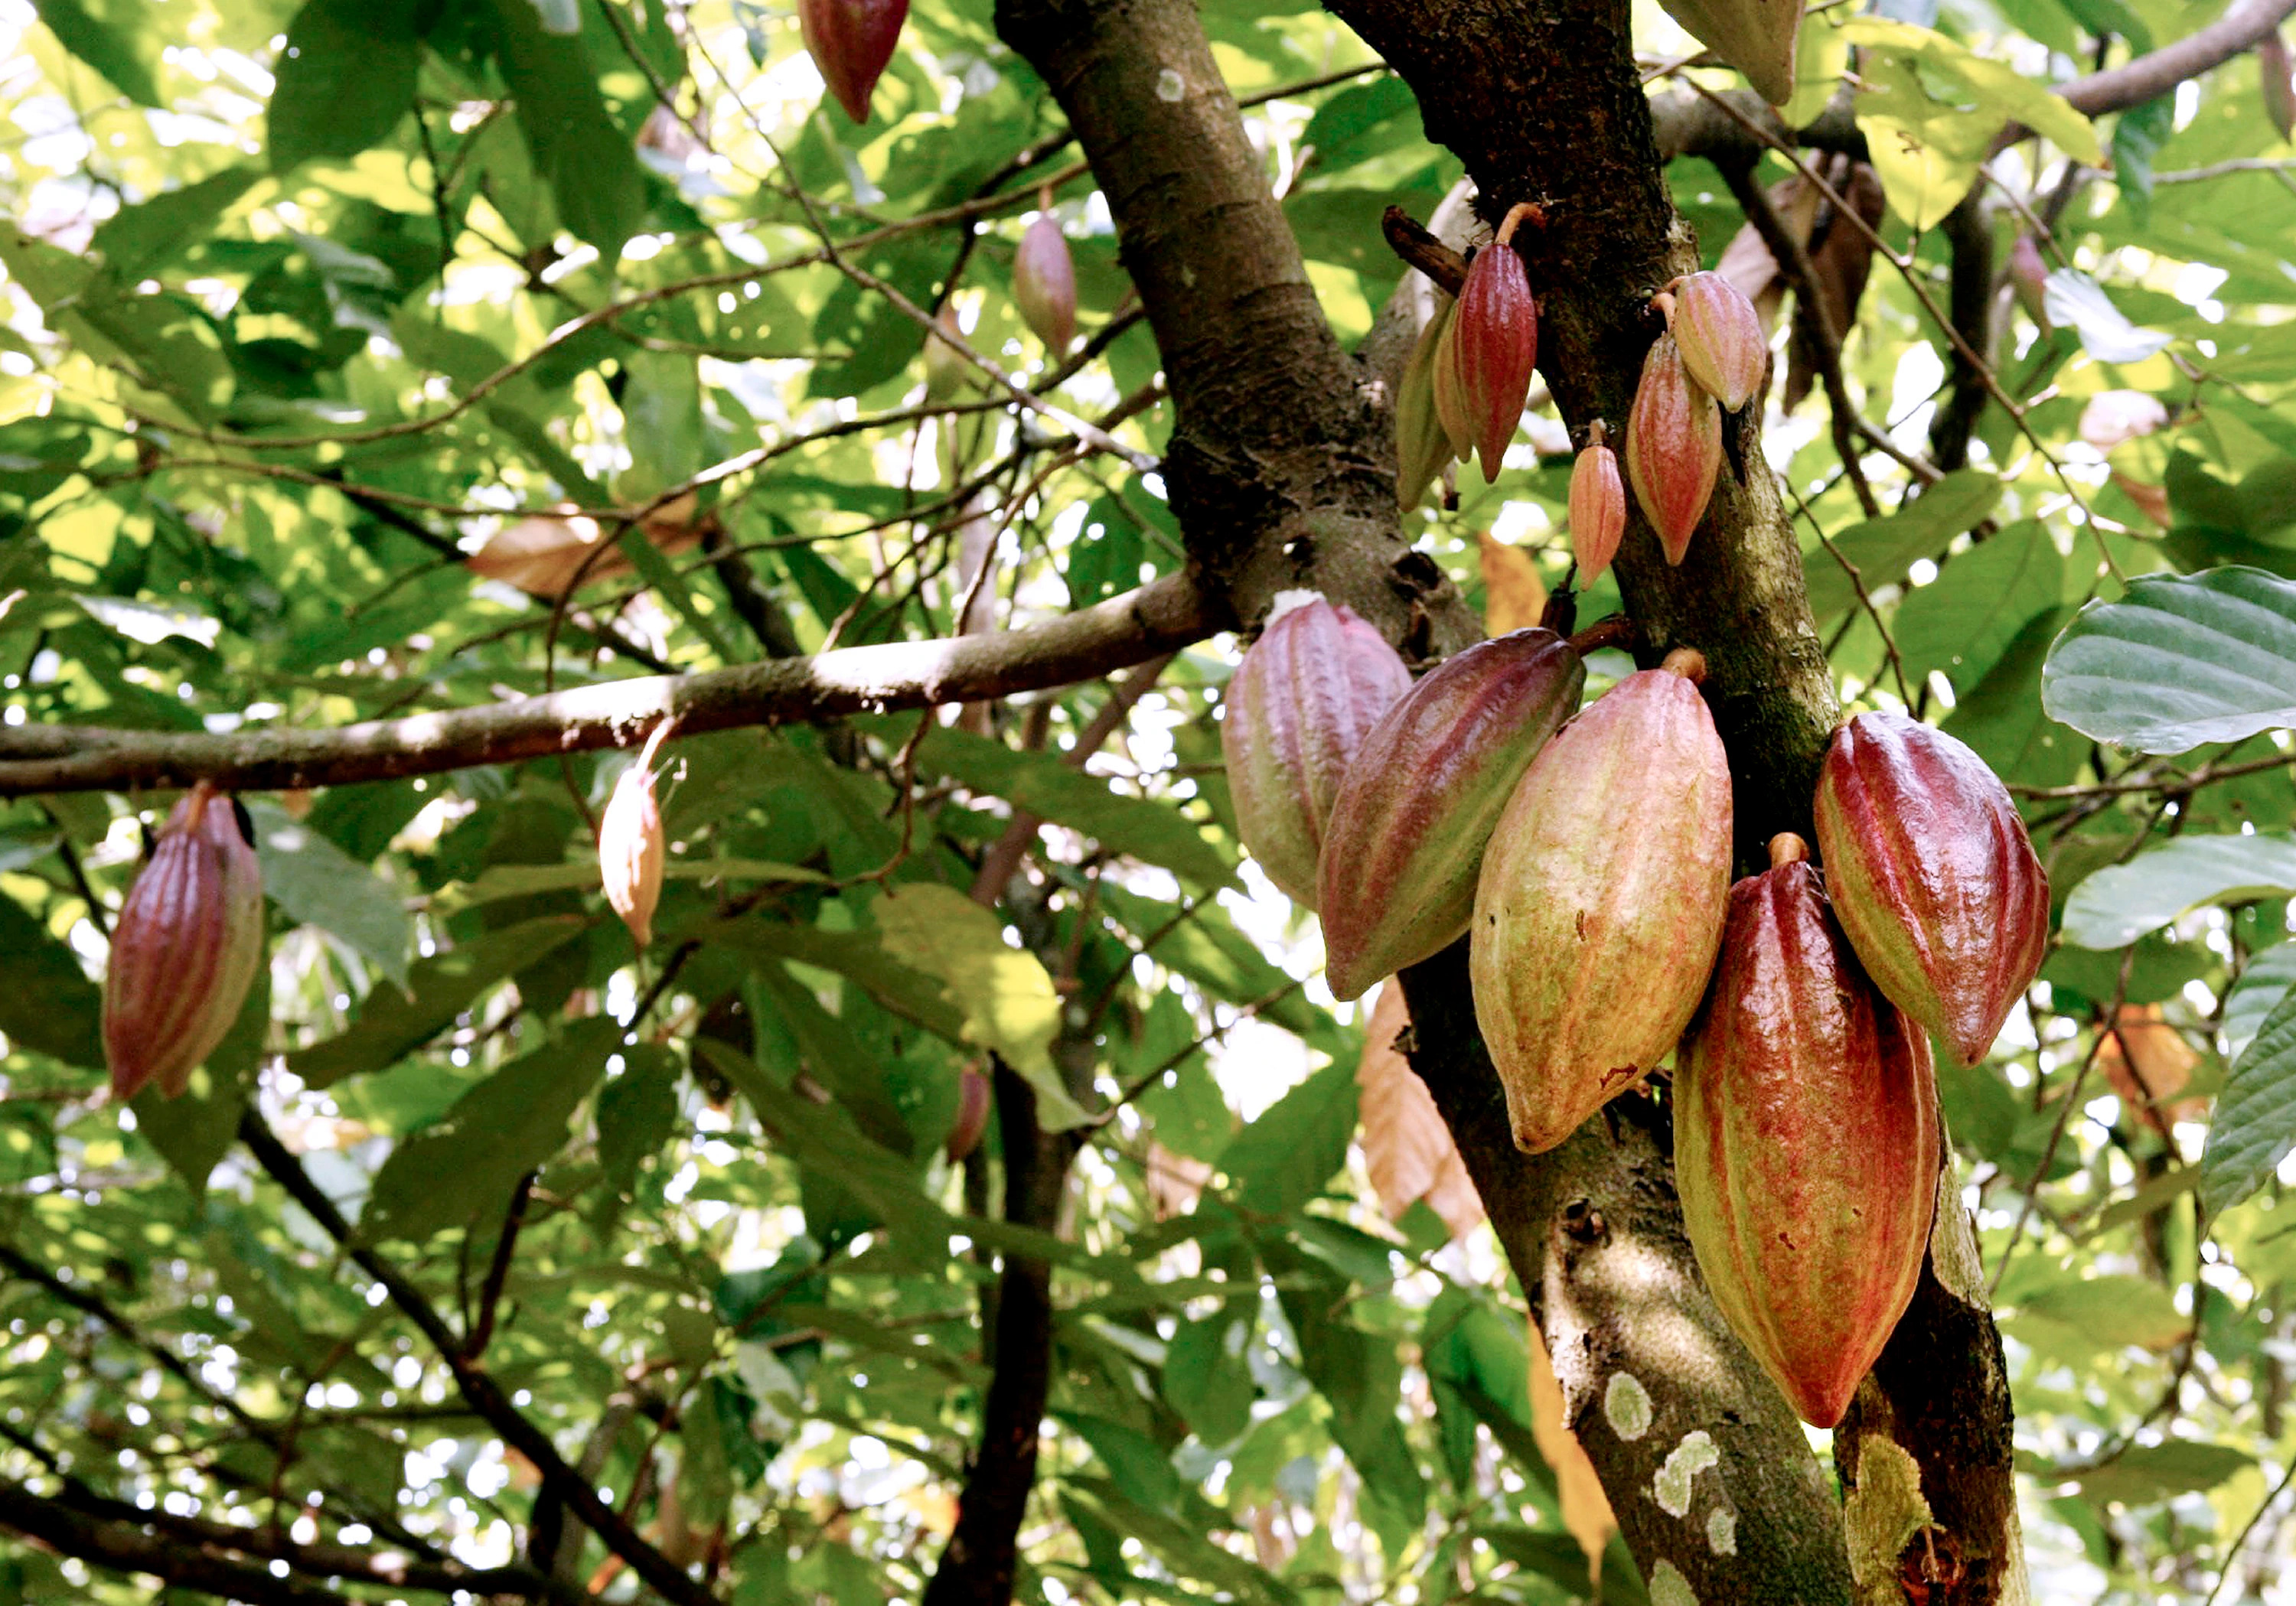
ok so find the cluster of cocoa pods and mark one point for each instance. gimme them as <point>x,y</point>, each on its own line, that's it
<point>1587,856</point>
<point>1711,361</point>
<point>1464,387</point>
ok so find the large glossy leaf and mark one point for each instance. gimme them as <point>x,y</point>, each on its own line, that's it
<point>1283,1159</point>
<point>317,883</point>
<point>346,78</point>
<point>2121,902</point>
<point>2255,1124</point>
<point>2181,660</point>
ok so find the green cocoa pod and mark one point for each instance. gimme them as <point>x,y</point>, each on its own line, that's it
<point>1405,843</point>
<point>1932,877</point>
<point>1600,898</point>
<point>1805,1141</point>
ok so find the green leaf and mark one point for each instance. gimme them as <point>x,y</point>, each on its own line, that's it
<point>49,1005</point>
<point>392,1024</point>
<point>1007,998</point>
<point>461,1172</point>
<point>1884,549</point>
<point>108,36</point>
<point>857,956</point>
<point>2255,1123</point>
<point>344,79</point>
<point>2262,986</point>
<point>637,1111</point>
<point>2137,136</point>
<point>2145,1474</point>
<point>316,883</point>
<point>2111,1312</point>
<point>2121,902</point>
<point>139,240</point>
<point>2001,716</point>
<point>2181,660</point>
<point>1963,621</point>
<point>1044,785</point>
<point>1206,1379</point>
<point>577,151</point>
<point>1282,1160</point>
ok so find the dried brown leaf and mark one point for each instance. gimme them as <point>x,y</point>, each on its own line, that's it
<point>1406,1147</point>
<point>1513,595</point>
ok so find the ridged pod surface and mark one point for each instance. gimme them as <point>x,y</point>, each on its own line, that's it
<point>1806,1144</point>
<point>1494,334</point>
<point>851,42</point>
<point>1932,876</point>
<point>1301,703</point>
<point>1719,335</point>
<point>1598,509</point>
<point>185,949</point>
<point>1044,284</point>
<point>1421,444</point>
<point>1601,899</point>
<point>1673,447</point>
<point>1405,844</point>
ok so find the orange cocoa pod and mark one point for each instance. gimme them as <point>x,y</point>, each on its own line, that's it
<point>1720,337</point>
<point>632,853</point>
<point>1673,447</point>
<point>1598,507</point>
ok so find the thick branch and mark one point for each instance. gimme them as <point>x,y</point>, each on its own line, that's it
<point>478,1386</point>
<point>1281,462</point>
<point>2151,76</point>
<point>1166,614</point>
<point>130,1550</point>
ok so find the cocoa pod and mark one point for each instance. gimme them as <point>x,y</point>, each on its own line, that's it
<point>185,949</point>
<point>1932,876</point>
<point>1805,1141</point>
<point>1598,507</point>
<point>2028,275</point>
<point>974,1102</point>
<point>1450,396</point>
<point>1720,338</point>
<point>1673,447</point>
<point>1044,284</point>
<point>1405,844</point>
<point>1601,899</point>
<point>2279,84</point>
<point>850,41</point>
<point>945,369</point>
<point>1494,341</point>
<point>631,852</point>
<point>1299,706</point>
<point>1423,445</point>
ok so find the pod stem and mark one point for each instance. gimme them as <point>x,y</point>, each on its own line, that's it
<point>1787,849</point>
<point>1517,215</point>
<point>1688,662</point>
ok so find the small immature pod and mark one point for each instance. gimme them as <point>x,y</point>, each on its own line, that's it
<point>1044,284</point>
<point>631,849</point>
<point>1673,447</point>
<point>1598,507</point>
<point>851,41</point>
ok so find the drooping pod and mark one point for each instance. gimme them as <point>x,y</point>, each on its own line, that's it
<point>1807,1142</point>
<point>1719,335</point>
<point>1494,341</point>
<point>1044,284</point>
<point>632,854</point>
<point>851,42</point>
<point>1423,445</point>
<point>1932,876</point>
<point>1299,706</point>
<point>1673,447</point>
<point>1405,844</point>
<point>185,949</point>
<point>1598,506</point>
<point>1600,902</point>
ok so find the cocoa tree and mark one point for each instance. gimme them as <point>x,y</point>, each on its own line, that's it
<point>414,410</point>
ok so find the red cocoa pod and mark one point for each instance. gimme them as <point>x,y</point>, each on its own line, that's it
<point>1405,844</point>
<point>2029,276</point>
<point>1311,686</point>
<point>1601,899</point>
<point>2279,84</point>
<point>1805,1141</point>
<point>1673,447</point>
<point>1932,877</point>
<point>972,1106</point>
<point>1720,337</point>
<point>185,949</point>
<point>1598,508</point>
<point>1044,284</point>
<point>1423,445</point>
<point>1494,337</point>
<point>851,42</point>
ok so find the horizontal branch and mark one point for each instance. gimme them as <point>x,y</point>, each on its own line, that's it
<point>121,1549</point>
<point>1159,617</point>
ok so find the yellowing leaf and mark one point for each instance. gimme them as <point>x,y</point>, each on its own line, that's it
<point>1406,1147</point>
<point>1585,1509</point>
<point>1005,996</point>
<point>1513,595</point>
